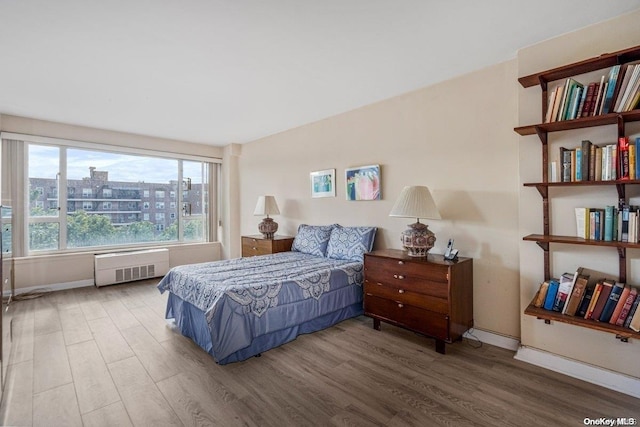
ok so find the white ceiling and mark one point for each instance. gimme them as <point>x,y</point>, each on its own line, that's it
<point>222,71</point>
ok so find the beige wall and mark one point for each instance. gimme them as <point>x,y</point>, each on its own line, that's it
<point>455,137</point>
<point>596,348</point>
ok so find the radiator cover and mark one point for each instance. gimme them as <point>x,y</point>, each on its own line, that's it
<point>124,267</point>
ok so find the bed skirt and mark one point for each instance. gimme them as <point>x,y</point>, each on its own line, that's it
<point>191,322</point>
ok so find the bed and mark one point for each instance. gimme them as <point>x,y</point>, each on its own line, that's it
<point>238,308</point>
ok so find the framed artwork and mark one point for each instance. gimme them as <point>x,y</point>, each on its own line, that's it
<point>323,183</point>
<point>363,183</point>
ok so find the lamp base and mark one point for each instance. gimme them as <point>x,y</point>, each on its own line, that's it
<point>268,228</point>
<point>417,240</point>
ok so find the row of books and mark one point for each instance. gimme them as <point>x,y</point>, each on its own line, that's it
<point>618,91</point>
<point>604,301</point>
<point>610,224</point>
<point>610,162</point>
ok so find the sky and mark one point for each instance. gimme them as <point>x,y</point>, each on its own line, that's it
<point>43,163</point>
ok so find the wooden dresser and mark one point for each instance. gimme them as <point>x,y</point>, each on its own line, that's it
<point>429,295</point>
<point>258,245</point>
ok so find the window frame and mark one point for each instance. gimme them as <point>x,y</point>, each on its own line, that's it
<point>21,227</point>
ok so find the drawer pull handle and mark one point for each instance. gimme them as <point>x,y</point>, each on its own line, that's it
<point>254,248</point>
<point>401,262</point>
<point>401,291</point>
<point>398,276</point>
<point>400,305</point>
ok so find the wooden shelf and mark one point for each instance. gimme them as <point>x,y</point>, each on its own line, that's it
<point>541,313</point>
<point>542,238</point>
<point>592,64</point>
<point>583,183</point>
<point>581,123</point>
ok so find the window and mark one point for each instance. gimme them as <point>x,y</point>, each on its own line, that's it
<point>57,220</point>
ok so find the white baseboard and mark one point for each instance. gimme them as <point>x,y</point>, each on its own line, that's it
<point>492,338</point>
<point>582,371</point>
<point>55,287</point>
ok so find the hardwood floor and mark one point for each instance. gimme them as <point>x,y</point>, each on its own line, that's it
<point>106,357</point>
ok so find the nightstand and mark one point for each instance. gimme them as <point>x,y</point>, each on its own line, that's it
<point>429,295</point>
<point>258,245</point>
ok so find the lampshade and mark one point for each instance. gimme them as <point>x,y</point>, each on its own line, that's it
<point>266,206</point>
<point>416,202</point>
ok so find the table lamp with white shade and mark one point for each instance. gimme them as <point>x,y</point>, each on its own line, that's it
<point>416,202</point>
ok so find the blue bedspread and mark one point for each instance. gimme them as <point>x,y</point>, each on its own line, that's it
<point>249,300</point>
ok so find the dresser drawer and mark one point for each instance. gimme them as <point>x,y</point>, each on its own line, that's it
<point>254,250</point>
<point>257,244</point>
<point>410,284</point>
<point>426,322</point>
<point>385,267</point>
<point>408,296</point>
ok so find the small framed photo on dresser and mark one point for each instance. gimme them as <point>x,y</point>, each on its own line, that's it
<point>323,183</point>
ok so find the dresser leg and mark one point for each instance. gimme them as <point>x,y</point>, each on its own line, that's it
<point>440,346</point>
<point>376,324</point>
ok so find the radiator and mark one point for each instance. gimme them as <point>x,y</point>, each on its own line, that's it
<point>123,267</point>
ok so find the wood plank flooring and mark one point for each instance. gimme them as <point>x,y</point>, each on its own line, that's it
<point>106,357</point>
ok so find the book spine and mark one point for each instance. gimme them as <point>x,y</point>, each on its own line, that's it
<point>586,300</point>
<point>608,223</point>
<point>594,300</point>
<point>635,322</point>
<point>632,161</point>
<point>586,159</point>
<point>611,89</point>
<point>598,164</point>
<point>551,295</point>
<point>624,237</point>
<point>603,298</point>
<point>588,103</point>
<point>623,157</point>
<point>637,164</point>
<point>632,312</point>
<point>541,295</point>
<point>597,96</point>
<point>583,100</point>
<point>626,308</point>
